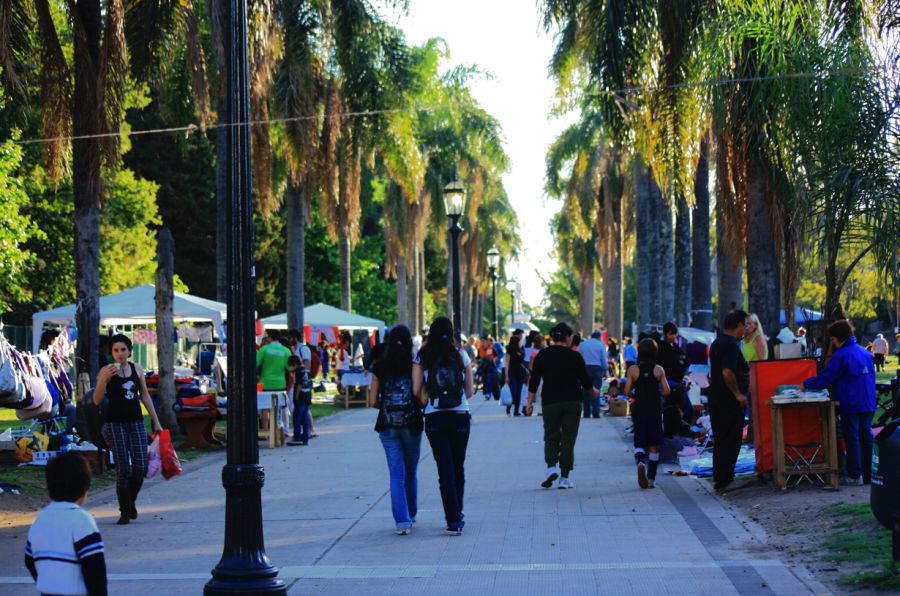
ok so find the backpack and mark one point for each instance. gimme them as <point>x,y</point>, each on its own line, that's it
<point>397,402</point>
<point>445,384</point>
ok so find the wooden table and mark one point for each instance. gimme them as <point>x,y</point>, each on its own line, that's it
<point>276,401</point>
<point>351,383</point>
<point>795,460</point>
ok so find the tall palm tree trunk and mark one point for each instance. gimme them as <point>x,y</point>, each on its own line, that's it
<point>402,293</point>
<point>666,255</point>
<point>701,286</point>
<point>682,270</point>
<point>420,288</point>
<point>587,299</point>
<point>87,120</point>
<point>644,244</point>
<point>763,269</point>
<point>295,258</point>
<point>217,18</point>
<point>344,253</point>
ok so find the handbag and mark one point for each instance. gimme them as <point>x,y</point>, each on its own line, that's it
<point>154,462</point>
<point>171,466</point>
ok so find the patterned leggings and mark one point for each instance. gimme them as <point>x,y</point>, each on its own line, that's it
<point>128,441</point>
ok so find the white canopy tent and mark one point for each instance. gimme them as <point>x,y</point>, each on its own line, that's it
<point>325,316</point>
<point>137,306</point>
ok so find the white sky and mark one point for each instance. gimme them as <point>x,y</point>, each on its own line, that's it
<point>506,38</point>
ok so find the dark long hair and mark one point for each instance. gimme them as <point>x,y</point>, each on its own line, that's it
<point>514,347</point>
<point>439,344</point>
<point>396,360</point>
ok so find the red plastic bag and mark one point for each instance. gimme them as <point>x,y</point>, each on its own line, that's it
<point>171,466</point>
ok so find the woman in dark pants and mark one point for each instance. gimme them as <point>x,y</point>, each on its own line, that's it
<point>123,383</point>
<point>565,381</point>
<point>442,378</point>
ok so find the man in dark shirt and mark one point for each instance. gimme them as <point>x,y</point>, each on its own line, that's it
<point>675,363</point>
<point>729,381</point>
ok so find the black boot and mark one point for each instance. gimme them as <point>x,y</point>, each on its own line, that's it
<point>134,487</point>
<point>125,505</point>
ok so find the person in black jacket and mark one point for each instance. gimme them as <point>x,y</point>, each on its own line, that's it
<point>675,363</point>
<point>565,380</point>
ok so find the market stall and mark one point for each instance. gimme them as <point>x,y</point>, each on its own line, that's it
<point>323,319</point>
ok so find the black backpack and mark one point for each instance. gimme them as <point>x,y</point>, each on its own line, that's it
<point>397,402</point>
<point>445,383</point>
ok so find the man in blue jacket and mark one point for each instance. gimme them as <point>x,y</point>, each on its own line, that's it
<point>850,380</point>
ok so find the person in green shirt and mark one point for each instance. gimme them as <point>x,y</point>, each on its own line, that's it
<point>272,363</point>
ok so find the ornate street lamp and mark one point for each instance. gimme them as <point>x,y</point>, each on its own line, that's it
<point>455,205</point>
<point>493,262</point>
<point>244,567</point>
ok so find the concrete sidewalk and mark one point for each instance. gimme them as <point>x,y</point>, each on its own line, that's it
<point>328,525</point>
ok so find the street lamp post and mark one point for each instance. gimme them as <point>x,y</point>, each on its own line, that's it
<point>493,261</point>
<point>244,567</point>
<point>455,204</point>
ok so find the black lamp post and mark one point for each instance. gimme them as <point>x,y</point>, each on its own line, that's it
<point>493,262</point>
<point>244,567</point>
<point>455,205</point>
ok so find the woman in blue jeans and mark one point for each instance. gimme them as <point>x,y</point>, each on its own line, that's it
<point>399,424</point>
<point>442,378</point>
<point>514,370</point>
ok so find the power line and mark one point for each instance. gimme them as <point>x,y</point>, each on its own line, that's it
<point>615,93</point>
<point>195,127</point>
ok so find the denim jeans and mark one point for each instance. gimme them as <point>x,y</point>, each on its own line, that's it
<point>448,434</point>
<point>857,432</point>
<point>401,447</point>
<point>515,387</point>
<point>489,381</point>
<point>591,403</point>
<point>301,421</point>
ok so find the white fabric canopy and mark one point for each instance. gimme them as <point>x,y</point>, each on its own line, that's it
<point>136,306</point>
<point>691,335</point>
<point>323,315</point>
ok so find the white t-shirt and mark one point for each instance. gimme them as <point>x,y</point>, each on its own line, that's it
<point>464,404</point>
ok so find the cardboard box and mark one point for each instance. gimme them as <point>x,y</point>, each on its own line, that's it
<point>618,407</point>
<point>786,351</point>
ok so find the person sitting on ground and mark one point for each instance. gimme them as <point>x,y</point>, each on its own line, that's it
<point>850,380</point>
<point>64,552</point>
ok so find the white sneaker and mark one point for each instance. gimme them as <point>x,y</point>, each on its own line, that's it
<point>552,474</point>
<point>565,482</point>
<point>651,483</point>
<point>402,531</point>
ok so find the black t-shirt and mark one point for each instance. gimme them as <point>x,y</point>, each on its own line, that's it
<point>124,395</point>
<point>724,353</point>
<point>416,422</point>
<point>647,397</point>
<point>563,372</point>
<point>673,361</point>
<point>517,365</point>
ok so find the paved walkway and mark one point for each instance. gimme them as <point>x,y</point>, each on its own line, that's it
<point>328,524</point>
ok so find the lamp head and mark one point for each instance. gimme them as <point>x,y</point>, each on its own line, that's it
<point>493,258</point>
<point>455,198</point>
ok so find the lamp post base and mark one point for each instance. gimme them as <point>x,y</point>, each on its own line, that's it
<point>234,586</point>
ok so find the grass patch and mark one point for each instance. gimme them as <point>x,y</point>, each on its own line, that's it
<point>31,479</point>
<point>859,539</point>
<point>890,368</point>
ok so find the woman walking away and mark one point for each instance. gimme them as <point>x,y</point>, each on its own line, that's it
<point>442,378</point>
<point>646,380</point>
<point>124,384</point>
<point>514,370</point>
<point>565,380</point>
<point>399,423</point>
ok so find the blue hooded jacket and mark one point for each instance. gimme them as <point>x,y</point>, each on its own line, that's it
<point>849,378</point>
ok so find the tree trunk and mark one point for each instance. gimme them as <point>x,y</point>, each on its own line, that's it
<point>296,255</point>
<point>402,294</point>
<point>643,244</point>
<point>222,231</point>
<point>701,284</point>
<point>165,328</point>
<point>345,250</point>
<point>682,270</point>
<point>763,271</point>
<point>729,269</point>
<point>420,290</point>
<point>586,300</point>
<point>87,120</point>
<point>666,255</point>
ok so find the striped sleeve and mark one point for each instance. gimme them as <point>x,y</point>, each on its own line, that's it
<point>29,561</point>
<point>91,544</point>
